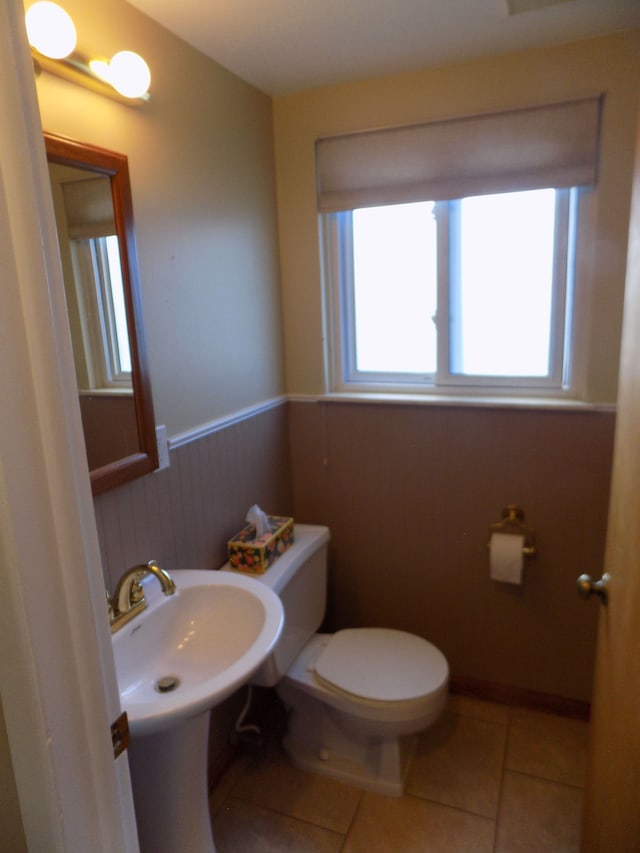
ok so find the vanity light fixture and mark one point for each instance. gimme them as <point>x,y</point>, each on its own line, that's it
<point>127,72</point>
<point>51,30</point>
<point>52,36</point>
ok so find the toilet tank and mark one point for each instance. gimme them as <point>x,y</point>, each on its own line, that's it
<point>299,578</point>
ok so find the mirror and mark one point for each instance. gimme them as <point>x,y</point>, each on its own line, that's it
<point>94,217</point>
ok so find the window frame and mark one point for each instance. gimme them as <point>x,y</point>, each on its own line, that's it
<point>336,234</point>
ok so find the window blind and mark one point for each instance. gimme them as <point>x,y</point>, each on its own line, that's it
<point>554,145</point>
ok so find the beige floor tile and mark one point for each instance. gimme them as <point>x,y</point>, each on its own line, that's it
<point>245,828</point>
<point>469,706</point>
<point>538,816</point>
<point>277,785</point>
<point>458,762</point>
<point>548,746</point>
<point>410,825</point>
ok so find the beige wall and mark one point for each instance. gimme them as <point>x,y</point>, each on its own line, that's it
<point>610,65</point>
<point>201,162</point>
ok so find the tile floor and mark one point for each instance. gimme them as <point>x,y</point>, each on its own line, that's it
<point>486,778</point>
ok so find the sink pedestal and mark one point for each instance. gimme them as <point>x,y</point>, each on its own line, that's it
<point>169,779</point>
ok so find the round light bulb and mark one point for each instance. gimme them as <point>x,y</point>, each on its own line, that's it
<point>50,30</point>
<point>100,68</point>
<point>129,74</point>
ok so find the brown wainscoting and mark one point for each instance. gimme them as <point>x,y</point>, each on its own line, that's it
<point>409,492</point>
<point>506,694</point>
<point>183,516</point>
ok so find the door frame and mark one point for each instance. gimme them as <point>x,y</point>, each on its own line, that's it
<point>611,819</point>
<point>57,674</point>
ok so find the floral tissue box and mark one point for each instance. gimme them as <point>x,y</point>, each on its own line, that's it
<point>248,553</point>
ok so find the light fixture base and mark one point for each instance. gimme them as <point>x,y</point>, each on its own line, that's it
<point>75,68</point>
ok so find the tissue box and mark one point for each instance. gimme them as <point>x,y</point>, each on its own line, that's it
<point>248,553</point>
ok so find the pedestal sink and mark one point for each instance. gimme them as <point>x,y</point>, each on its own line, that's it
<point>174,662</point>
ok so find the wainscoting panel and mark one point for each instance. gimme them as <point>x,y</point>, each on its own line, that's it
<point>409,493</point>
<point>183,516</point>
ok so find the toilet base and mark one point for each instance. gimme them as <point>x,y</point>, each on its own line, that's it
<point>315,742</point>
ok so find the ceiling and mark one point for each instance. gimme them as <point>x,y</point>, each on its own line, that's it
<point>286,46</point>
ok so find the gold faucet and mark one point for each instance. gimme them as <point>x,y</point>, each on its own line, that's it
<point>128,599</point>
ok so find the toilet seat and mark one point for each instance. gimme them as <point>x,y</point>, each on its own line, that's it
<point>412,714</point>
<point>381,665</point>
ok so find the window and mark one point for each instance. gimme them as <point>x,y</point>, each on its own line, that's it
<point>98,277</point>
<point>470,292</point>
<point>449,249</point>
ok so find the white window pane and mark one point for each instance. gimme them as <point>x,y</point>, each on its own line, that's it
<point>501,315</point>
<point>395,288</point>
<point>117,301</point>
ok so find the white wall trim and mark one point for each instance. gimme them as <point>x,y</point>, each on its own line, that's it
<point>222,423</point>
<point>551,404</point>
<point>456,401</point>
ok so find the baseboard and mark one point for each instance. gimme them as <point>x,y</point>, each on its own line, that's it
<point>521,697</point>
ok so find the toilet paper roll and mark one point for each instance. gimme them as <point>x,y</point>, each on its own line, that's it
<point>506,558</point>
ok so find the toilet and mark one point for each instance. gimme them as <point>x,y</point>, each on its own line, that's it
<point>356,698</point>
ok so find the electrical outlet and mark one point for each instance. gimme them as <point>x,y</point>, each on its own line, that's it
<point>163,447</point>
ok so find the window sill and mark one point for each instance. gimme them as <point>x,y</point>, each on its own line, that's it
<point>457,400</point>
<point>106,392</point>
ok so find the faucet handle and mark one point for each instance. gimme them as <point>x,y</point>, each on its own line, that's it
<point>110,607</point>
<point>136,593</point>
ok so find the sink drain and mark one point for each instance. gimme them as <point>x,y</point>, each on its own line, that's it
<point>167,684</point>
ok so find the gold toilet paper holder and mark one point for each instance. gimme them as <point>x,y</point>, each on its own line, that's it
<point>512,522</point>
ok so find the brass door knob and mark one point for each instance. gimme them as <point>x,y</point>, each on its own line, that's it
<point>588,587</point>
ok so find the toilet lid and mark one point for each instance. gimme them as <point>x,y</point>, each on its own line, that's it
<point>381,664</point>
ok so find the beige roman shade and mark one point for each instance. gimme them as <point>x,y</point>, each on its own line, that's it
<point>546,146</point>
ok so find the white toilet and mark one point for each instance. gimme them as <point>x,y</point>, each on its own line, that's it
<point>356,698</point>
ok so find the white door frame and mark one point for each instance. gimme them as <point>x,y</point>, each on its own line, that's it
<point>57,676</point>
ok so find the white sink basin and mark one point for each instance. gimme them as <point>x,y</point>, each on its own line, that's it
<point>210,636</point>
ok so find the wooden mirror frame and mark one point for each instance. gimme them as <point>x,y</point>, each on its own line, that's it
<point>115,166</point>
